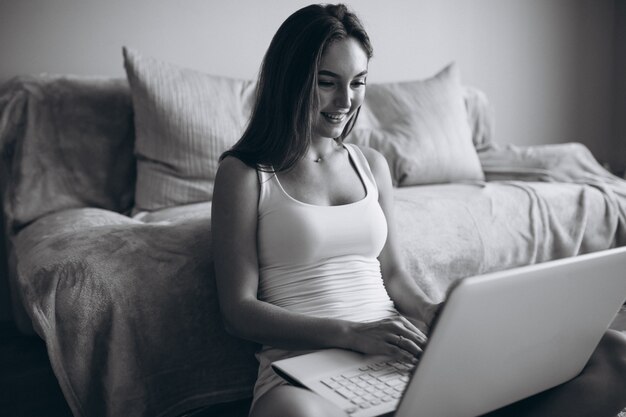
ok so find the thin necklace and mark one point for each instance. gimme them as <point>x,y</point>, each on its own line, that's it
<point>322,157</point>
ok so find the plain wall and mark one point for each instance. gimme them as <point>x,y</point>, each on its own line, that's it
<point>546,65</point>
<point>551,68</point>
<point>619,138</point>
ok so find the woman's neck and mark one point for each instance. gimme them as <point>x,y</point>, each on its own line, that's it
<point>321,149</point>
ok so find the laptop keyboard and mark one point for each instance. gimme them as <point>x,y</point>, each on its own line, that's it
<point>371,385</point>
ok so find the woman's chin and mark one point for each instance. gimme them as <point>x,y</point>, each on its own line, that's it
<point>331,131</point>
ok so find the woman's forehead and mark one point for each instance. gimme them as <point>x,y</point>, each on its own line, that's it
<point>345,57</point>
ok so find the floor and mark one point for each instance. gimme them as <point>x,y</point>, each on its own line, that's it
<point>28,387</point>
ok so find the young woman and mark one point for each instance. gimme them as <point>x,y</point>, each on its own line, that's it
<point>305,250</point>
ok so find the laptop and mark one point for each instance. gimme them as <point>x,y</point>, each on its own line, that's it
<point>499,338</point>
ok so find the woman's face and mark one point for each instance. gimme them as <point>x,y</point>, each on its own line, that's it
<point>341,86</point>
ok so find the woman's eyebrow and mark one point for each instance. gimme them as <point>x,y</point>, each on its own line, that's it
<point>332,74</point>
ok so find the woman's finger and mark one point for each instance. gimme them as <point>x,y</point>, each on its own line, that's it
<point>410,325</point>
<point>421,337</point>
<point>405,344</point>
<point>403,349</point>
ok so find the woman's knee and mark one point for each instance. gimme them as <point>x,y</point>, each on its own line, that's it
<point>611,350</point>
<point>613,347</point>
<point>607,367</point>
<point>294,402</point>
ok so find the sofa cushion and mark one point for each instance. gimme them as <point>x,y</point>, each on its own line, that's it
<point>175,213</point>
<point>184,120</point>
<point>480,116</point>
<point>422,128</point>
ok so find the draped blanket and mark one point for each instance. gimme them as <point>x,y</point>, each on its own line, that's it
<point>538,203</point>
<point>129,311</point>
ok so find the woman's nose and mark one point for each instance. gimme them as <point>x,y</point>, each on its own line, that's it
<point>343,98</point>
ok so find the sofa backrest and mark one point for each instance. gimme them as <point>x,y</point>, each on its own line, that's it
<point>66,142</point>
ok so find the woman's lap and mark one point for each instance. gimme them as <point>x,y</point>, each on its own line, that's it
<point>288,400</point>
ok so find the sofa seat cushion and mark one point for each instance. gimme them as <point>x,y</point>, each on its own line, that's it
<point>175,213</point>
<point>452,231</point>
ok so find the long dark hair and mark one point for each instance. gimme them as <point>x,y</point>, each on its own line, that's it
<point>279,130</point>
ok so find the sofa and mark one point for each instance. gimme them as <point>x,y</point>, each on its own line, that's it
<point>106,200</point>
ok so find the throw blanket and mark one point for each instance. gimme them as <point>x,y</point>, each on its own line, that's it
<point>538,203</point>
<point>129,311</point>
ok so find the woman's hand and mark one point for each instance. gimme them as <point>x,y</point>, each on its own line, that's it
<point>425,321</point>
<point>396,337</point>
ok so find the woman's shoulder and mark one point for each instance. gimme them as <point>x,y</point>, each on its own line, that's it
<point>375,159</point>
<point>234,166</point>
<point>379,167</point>
<point>233,173</point>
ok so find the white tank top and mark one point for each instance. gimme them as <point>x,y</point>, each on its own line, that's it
<point>322,260</point>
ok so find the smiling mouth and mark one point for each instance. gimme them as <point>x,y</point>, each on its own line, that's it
<point>335,117</point>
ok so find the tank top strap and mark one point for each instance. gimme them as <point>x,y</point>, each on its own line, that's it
<point>363,168</point>
<point>265,174</point>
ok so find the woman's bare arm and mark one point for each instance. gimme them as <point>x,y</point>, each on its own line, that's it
<point>407,296</point>
<point>234,231</point>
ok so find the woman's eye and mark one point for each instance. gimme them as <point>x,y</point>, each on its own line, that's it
<point>360,83</point>
<point>325,83</point>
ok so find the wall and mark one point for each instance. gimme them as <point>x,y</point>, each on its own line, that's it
<point>618,159</point>
<point>547,66</point>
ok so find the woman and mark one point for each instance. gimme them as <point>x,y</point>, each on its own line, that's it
<point>305,250</point>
